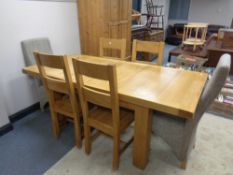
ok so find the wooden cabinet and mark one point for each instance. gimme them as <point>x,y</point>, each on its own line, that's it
<point>103,18</point>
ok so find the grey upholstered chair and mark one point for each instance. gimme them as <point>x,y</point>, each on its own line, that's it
<point>28,47</point>
<point>180,133</point>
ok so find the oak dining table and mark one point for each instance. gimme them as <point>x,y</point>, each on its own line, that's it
<point>144,88</point>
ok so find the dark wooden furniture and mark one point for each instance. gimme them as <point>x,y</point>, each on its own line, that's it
<point>138,33</point>
<point>215,51</point>
<point>154,15</point>
<point>227,41</point>
<point>144,33</point>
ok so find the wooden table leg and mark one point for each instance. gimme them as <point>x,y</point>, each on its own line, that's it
<point>142,134</point>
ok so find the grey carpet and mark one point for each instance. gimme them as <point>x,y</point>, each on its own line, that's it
<point>213,155</point>
<point>30,149</point>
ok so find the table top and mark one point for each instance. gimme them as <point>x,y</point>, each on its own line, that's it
<point>216,45</point>
<point>197,25</point>
<point>203,53</point>
<point>174,91</point>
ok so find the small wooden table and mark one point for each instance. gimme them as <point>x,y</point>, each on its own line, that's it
<point>199,52</point>
<point>145,88</point>
<point>215,51</point>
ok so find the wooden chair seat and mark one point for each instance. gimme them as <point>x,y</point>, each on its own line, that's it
<point>101,119</point>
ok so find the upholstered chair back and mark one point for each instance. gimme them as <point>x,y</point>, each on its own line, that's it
<point>36,44</point>
<point>214,85</point>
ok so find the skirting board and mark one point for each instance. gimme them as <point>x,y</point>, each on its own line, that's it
<point>17,116</point>
<point>21,114</point>
<point>5,129</point>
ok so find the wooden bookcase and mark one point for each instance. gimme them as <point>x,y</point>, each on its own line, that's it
<point>103,18</point>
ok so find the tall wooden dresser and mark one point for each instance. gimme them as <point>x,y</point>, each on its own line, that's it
<point>103,18</point>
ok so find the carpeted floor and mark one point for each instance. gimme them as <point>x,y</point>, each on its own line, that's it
<point>31,149</point>
<point>213,155</point>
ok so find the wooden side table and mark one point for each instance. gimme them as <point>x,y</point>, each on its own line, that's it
<point>215,51</point>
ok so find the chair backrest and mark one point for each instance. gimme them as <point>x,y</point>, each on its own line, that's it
<point>148,47</point>
<point>214,85</point>
<point>31,45</point>
<point>113,44</point>
<point>106,72</point>
<point>49,63</point>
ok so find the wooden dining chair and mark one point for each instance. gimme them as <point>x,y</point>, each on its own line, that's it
<point>107,117</point>
<point>110,44</point>
<point>148,47</point>
<point>61,93</point>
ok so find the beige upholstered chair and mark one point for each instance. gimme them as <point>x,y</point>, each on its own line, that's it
<point>180,133</point>
<point>28,47</point>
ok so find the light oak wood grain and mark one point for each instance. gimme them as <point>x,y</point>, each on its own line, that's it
<point>61,92</point>
<point>145,87</point>
<point>106,116</point>
<point>169,90</point>
<point>104,18</point>
<point>109,44</point>
<point>148,47</point>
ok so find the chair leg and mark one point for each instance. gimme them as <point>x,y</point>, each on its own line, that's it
<point>116,153</point>
<point>77,130</point>
<point>183,165</point>
<point>55,124</point>
<point>87,136</point>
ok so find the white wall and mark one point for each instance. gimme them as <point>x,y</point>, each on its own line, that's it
<point>3,112</point>
<point>211,11</point>
<point>20,20</point>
